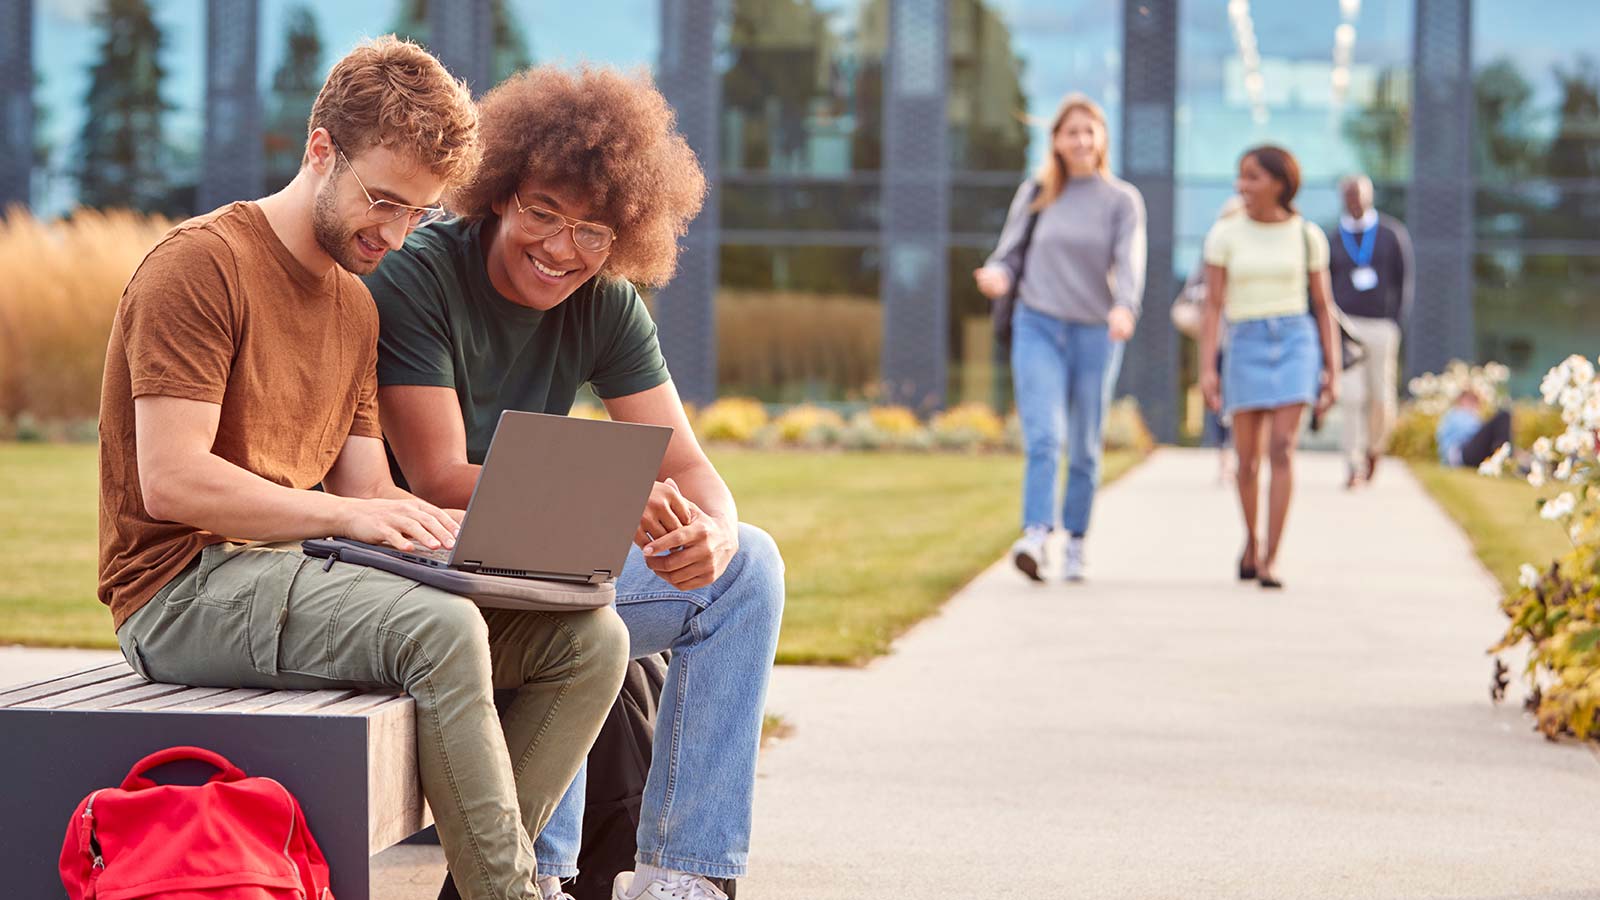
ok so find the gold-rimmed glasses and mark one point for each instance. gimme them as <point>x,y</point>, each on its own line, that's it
<point>546,223</point>
<point>383,211</point>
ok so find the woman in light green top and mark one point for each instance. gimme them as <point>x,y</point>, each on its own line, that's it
<point>1280,360</point>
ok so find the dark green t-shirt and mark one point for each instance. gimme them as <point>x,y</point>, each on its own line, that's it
<point>444,324</point>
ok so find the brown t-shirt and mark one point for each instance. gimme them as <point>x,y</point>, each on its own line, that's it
<point>220,311</point>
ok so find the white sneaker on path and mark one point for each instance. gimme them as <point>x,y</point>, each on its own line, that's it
<point>1030,552</point>
<point>1075,564</point>
<point>678,886</point>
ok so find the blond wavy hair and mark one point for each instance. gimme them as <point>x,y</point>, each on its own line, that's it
<point>389,92</point>
<point>1052,175</point>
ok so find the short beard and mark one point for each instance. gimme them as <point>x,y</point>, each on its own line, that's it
<point>334,236</point>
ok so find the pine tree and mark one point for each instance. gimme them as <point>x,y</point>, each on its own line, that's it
<point>509,53</point>
<point>121,147</point>
<point>294,90</point>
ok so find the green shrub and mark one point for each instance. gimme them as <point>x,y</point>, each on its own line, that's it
<point>1413,436</point>
<point>1531,421</point>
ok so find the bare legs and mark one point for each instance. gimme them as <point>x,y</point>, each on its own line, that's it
<point>1272,432</point>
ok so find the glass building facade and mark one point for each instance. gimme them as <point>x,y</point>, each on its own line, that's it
<point>863,152</point>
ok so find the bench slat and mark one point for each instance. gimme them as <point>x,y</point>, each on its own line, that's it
<point>120,699</point>
<point>313,702</point>
<point>361,705</point>
<point>395,808</point>
<point>67,699</point>
<point>180,695</point>
<point>220,702</point>
<point>25,692</point>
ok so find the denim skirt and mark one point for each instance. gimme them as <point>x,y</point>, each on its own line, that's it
<point>1271,363</point>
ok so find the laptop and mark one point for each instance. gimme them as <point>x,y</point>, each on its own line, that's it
<point>558,499</point>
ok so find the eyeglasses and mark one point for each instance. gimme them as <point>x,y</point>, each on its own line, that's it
<point>545,223</point>
<point>387,210</point>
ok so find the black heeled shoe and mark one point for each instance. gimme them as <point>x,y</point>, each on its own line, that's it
<point>1269,583</point>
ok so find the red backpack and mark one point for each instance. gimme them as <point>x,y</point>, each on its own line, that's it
<point>232,838</point>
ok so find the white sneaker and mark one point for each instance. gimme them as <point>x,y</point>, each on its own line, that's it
<point>1030,552</point>
<point>550,889</point>
<point>680,886</point>
<point>1074,566</point>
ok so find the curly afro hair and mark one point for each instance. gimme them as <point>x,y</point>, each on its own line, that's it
<point>606,134</point>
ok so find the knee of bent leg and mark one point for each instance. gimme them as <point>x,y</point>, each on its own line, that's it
<point>761,569</point>
<point>449,629</point>
<point>599,642</point>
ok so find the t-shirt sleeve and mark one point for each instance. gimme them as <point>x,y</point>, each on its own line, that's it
<point>365,423</point>
<point>630,361</point>
<point>413,335</point>
<point>1217,250</point>
<point>178,319</point>
<point>1316,249</point>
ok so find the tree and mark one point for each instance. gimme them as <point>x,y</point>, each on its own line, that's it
<point>1381,130</point>
<point>1503,99</point>
<point>294,90</point>
<point>1575,151</point>
<point>121,146</point>
<point>508,53</point>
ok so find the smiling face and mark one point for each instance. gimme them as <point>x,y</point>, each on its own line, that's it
<point>1081,142</point>
<point>1259,190</point>
<point>343,219</point>
<point>532,271</point>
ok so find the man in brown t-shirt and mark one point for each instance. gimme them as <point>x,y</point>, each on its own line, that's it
<point>239,376</point>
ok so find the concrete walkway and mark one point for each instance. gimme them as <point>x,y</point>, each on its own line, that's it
<point>1165,732</point>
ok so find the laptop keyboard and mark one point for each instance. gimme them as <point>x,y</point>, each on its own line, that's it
<point>440,555</point>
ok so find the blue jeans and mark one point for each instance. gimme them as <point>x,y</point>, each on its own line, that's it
<point>1063,374</point>
<point>698,797</point>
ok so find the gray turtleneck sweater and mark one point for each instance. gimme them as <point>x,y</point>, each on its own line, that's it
<point>1088,250</point>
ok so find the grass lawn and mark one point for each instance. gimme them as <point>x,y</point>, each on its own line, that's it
<point>1499,515</point>
<point>874,542</point>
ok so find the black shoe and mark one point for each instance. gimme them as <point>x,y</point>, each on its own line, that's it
<point>1246,573</point>
<point>1270,583</point>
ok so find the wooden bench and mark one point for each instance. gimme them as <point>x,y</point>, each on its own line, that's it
<point>349,757</point>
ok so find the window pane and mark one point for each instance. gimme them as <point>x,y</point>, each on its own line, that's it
<point>1011,62</point>
<point>1535,310</point>
<point>299,42</point>
<point>799,323</point>
<point>1545,209</point>
<point>803,85</point>
<point>623,33</point>
<point>800,204</point>
<point>1538,90</point>
<point>1335,91</point>
<point>119,96</point>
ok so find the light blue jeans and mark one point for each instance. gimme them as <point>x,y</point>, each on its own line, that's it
<point>698,798</point>
<point>1063,374</point>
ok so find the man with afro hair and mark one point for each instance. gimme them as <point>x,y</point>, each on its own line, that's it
<point>584,190</point>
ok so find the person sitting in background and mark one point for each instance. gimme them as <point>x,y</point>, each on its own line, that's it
<point>1464,438</point>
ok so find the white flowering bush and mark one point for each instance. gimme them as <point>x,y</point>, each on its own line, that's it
<point>1557,612</point>
<point>1432,393</point>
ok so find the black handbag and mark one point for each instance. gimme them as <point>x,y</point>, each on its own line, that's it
<point>1000,310</point>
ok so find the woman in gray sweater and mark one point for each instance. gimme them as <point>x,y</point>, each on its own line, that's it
<point>1078,293</point>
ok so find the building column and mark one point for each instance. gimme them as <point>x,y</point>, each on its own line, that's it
<point>685,309</point>
<point>16,101</point>
<point>915,281</point>
<point>230,159</point>
<point>1149,97</point>
<point>461,35</point>
<point>1440,207</point>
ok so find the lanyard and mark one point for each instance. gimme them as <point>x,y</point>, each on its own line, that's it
<point>1369,243</point>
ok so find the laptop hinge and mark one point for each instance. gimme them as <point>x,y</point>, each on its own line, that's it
<point>600,576</point>
<point>470,565</point>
